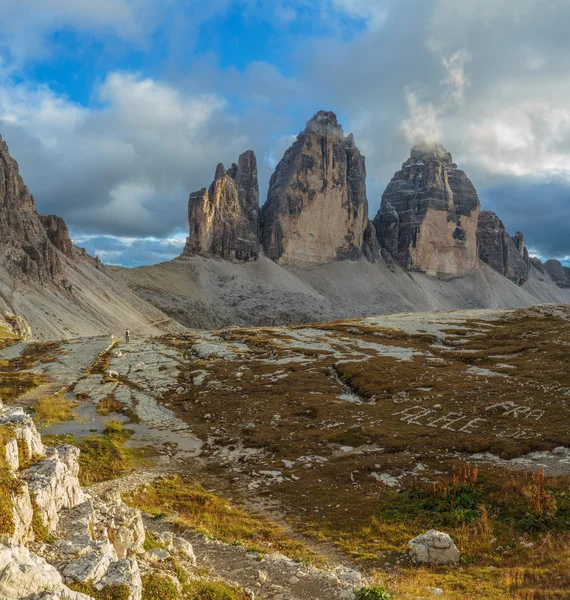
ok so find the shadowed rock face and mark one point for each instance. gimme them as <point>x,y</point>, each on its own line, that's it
<point>497,248</point>
<point>223,219</point>
<point>428,215</point>
<point>316,209</point>
<point>29,242</point>
<point>370,246</point>
<point>558,272</point>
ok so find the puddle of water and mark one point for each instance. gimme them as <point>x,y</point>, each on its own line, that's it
<point>88,420</point>
<point>167,432</point>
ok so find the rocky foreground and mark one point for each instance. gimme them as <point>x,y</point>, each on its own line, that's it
<point>62,541</point>
<point>356,436</point>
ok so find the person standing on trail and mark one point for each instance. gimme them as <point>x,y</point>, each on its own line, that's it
<point>127,336</point>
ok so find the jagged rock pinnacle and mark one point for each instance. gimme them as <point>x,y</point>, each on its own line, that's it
<point>316,209</point>
<point>428,215</point>
<point>223,219</point>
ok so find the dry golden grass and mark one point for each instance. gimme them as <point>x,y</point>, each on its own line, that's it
<point>53,409</point>
<point>102,458</point>
<point>191,506</point>
<point>339,500</point>
<point>109,405</point>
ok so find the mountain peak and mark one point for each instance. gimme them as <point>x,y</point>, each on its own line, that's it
<point>325,122</point>
<point>425,151</point>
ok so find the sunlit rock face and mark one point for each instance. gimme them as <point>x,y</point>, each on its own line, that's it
<point>29,242</point>
<point>428,215</point>
<point>497,248</point>
<point>223,219</point>
<point>316,209</point>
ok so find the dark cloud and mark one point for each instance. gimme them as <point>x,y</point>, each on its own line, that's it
<point>541,210</point>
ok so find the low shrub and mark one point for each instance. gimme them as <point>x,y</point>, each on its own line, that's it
<point>372,593</point>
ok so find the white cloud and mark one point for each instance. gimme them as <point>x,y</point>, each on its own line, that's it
<point>522,139</point>
<point>126,167</point>
<point>26,24</point>
<point>424,120</point>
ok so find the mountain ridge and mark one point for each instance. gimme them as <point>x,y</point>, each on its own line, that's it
<point>309,254</point>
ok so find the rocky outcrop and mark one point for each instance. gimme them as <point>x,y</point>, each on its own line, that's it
<point>18,326</point>
<point>433,548</point>
<point>316,209</point>
<point>497,248</point>
<point>370,246</point>
<point>54,483</point>
<point>96,540</point>
<point>31,243</point>
<point>558,272</point>
<point>58,233</point>
<point>223,219</point>
<point>26,575</point>
<point>428,215</point>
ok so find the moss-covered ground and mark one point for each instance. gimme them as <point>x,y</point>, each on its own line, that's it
<point>372,450</point>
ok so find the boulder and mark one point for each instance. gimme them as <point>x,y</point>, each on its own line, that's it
<point>22,515</point>
<point>12,455</point>
<point>23,575</point>
<point>124,572</point>
<point>24,431</point>
<point>223,219</point>
<point>433,548</point>
<point>91,566</point>
<point>428,215</point>
<point>54,484</point>
<point>123,524</point>
<point>316,209</point>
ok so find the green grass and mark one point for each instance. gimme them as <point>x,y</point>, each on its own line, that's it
<point>157,587</point>
<point>372,593</point>
<point>103,458</point>
<point>202,590</point>
<point>115,429</point>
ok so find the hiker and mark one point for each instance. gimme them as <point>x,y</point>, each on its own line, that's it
<point>127,336</point>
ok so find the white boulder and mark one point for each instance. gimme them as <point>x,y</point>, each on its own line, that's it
<point>433,548</point>
<point>123,524</point>
<point>24,431</point>
<point>12,456</point>
<point>24,575</point>
<point>124,572</point>
<point>54,483</point>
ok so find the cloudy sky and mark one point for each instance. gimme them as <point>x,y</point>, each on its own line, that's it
<point>117,109</point>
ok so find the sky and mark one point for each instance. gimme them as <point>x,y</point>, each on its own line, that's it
<point>117,109</point>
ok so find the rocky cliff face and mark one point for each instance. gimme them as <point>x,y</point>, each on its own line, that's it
<point>497,248</point>
<point>558,272</point>
<point>428,215</point>
<point>30,243</point>
<point>316,209</point>
<point>223,219</point>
